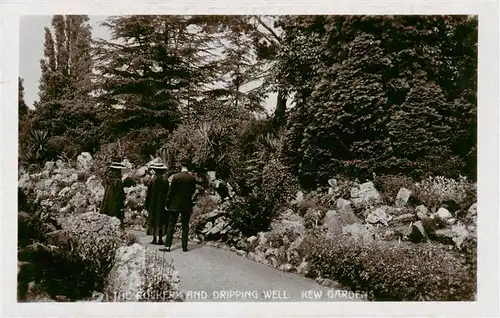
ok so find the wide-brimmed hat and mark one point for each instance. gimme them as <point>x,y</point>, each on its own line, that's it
<point>117,165</point>
<point>157,166</point>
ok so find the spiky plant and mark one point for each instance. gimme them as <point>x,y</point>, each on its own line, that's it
<point>39,141</point>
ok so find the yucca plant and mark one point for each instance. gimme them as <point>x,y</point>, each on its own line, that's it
<point>39,140</point>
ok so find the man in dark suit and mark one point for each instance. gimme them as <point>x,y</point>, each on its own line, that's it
<point>180,201</point>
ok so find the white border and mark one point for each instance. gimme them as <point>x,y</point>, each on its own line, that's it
<point>488,142</point>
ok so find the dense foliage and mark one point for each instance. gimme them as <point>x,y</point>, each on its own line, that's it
<point>380,94</point>
<point>392,272</point>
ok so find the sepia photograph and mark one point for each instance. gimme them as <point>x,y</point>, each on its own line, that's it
<point>261,158</point>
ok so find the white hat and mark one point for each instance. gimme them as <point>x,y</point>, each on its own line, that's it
<point>157,166</point>
<point>117,165</point>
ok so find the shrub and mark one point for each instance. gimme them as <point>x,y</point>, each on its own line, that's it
<point>160,281</point>
<point>207,146</point>
<point>389,186</point>
<point>392,271</point>
<point>204,205</point>
<point>249,215</point>
<point>432,191</point>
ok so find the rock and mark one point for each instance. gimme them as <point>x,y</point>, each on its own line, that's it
<point>444,236</point>
<point>251,239</point>
<point>364,194</point>
<point>303,268</point>
<point>251,256</point>
<point>49,166</point>
<point>84,161</point>
<point>141,172</point>
<point>379,215</point>
<point>402,197</point>
<point>359,232</point>
<point>333,183</point>
<point>286,267</point>
<point>405,218</point>
<point>455,235</point>
<point>125,276</point>
<point>422,212</point>
<point>331,220</point>
<point>263,238</point>
<point>418,233</point>
<point>443,214</point>
<point>45,174</point>
<point>60,164</point>
<point>212,215</point>
<point>300,196</point>
<point>73,178</point>
<point>270,251</point>
<point>241,253</point>
<point>97,234</point>
<point>343,205</point>
<point>274,262</point>
<point>451,221</point>
<point>331,191</point>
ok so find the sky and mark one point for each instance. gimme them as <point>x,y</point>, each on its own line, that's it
<point>31,38</point>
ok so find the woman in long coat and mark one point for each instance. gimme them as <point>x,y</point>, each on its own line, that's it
<point>113,202</point>
<point>155,204</point>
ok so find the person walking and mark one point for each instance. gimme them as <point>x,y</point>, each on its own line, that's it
<point>113,202</point>
<point>180,201</point>
<point>155,203</point>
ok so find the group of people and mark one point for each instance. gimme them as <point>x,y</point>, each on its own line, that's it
<point>166,199</point>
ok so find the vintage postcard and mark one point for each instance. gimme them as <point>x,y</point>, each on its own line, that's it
<point>250,159</point>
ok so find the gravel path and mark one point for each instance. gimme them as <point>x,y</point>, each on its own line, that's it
<point>212,274</point>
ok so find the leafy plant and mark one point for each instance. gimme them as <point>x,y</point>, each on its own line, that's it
<point>39,144</point>
<point>390,271</point>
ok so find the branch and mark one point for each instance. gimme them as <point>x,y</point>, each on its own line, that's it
<point>278,39</point>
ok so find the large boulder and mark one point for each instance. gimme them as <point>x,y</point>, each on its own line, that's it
<point>96,189</point>
<point>422,212</point>
<point>402,197</point>
<point>443,214</point>
<point>98,236</point>
<point>418,233</point>
<point>364,194</point>
<point>455,235</point>
<point>126,278</point>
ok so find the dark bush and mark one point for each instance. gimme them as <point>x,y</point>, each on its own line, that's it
<point>392,271</point>
<point>389,186</point>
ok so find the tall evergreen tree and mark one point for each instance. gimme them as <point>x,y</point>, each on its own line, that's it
<point>67,63</point>
<point>22,107</point>
<point>364,83</point>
